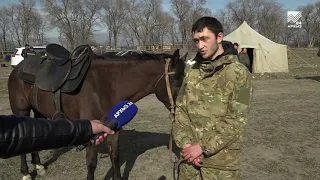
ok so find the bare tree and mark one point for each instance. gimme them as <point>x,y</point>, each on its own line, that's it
<point>197,10</point>
<point>114,17</point>
<point>265,16</point>
<point>226,20</point>
<point>14,12</point>
<point>73,18</point>
<point>144,18</point>
<point>128,36</point>
<point>4,28</point>
<point>298,38</point>
<point>272,20</point>
<point>89,17</point>
<point>144,22</point>
<point>180,9</point>
<point>246,10</point>
<point>173,30</point>
<point>28,15</point>
<point>133,19</point>
<point>187,12</point>
<point>39,26</point>
<point>158,33</point>
<point>166,29</point>
<point>23,22</point>
<point>311,22</point>
<point>150,18</point>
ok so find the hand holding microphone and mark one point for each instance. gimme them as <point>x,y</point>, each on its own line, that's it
<point>118,116</point>
<point>99,127</point>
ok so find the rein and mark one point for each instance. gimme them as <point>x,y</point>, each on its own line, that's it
<point>166,74</point>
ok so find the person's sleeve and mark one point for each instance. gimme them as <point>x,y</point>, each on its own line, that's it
<point>181,129</point>
<point>23,52</point>
<point>229,128</point>
<point>20,135</point>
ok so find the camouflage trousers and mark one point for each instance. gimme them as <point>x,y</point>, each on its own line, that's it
<point>190,172</point>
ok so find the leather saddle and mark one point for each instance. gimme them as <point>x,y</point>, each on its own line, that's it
<point>57,69</point>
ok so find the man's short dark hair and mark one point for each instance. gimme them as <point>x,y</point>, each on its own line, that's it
<point>235,44</point>
<point>207,22</point>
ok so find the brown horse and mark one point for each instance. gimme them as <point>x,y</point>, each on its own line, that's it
<point>106,83</point>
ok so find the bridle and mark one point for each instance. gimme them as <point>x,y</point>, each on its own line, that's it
<point>168,87</point>
<point>166,74</point>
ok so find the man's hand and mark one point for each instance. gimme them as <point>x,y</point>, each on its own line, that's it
<point>197,162</point>
<point>191,151</point>
<point>98,127</point>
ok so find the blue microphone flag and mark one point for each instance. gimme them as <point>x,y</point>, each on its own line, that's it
<point>123,113</point>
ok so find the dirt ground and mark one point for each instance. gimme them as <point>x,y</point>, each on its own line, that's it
<point>281,139</point>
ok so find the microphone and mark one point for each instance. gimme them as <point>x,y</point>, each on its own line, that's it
<point>118,116</point>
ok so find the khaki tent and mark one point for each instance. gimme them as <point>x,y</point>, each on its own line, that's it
<point>266,55</point>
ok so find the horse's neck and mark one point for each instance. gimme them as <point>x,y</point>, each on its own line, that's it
<point>132,80</point>
<point>148,74</point>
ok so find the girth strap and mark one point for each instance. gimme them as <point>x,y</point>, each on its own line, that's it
<point>35,97</point>
<point>57,100</point>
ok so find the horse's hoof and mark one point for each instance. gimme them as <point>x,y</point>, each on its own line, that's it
<point>41,171</point>
<point>27,177</point>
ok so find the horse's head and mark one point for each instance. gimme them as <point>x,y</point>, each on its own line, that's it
<point>168,86</point>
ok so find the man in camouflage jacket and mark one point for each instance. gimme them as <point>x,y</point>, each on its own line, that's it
<point>212,108</point>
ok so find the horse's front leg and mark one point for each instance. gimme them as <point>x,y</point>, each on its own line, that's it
<point>113,146</point>
<point>16,109</point>
<point>91,157</point>
<point>24,167</point>
<point>35,160</point>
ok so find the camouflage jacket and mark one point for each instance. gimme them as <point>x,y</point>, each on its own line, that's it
<point>212,109</point>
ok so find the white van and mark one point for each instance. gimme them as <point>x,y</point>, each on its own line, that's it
<point>16,58</point>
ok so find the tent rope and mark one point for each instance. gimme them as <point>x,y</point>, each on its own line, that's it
<point>309,65</point>
<point>294,54</point>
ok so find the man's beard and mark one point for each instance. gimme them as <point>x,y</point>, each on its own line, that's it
<point>214,51</point>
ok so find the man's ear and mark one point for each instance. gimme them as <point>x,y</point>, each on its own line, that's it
<point>220,37</point>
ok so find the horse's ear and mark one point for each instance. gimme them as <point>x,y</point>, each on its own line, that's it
<point>175,57</point>
<point>176,54</point>
<point>184,57</point>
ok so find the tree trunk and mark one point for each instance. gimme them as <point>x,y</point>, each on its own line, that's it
<point>4,39</point>
<point>115,38</point>
<point>110,39</point>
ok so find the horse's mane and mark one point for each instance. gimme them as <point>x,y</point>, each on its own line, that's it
<point>155,56</point>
